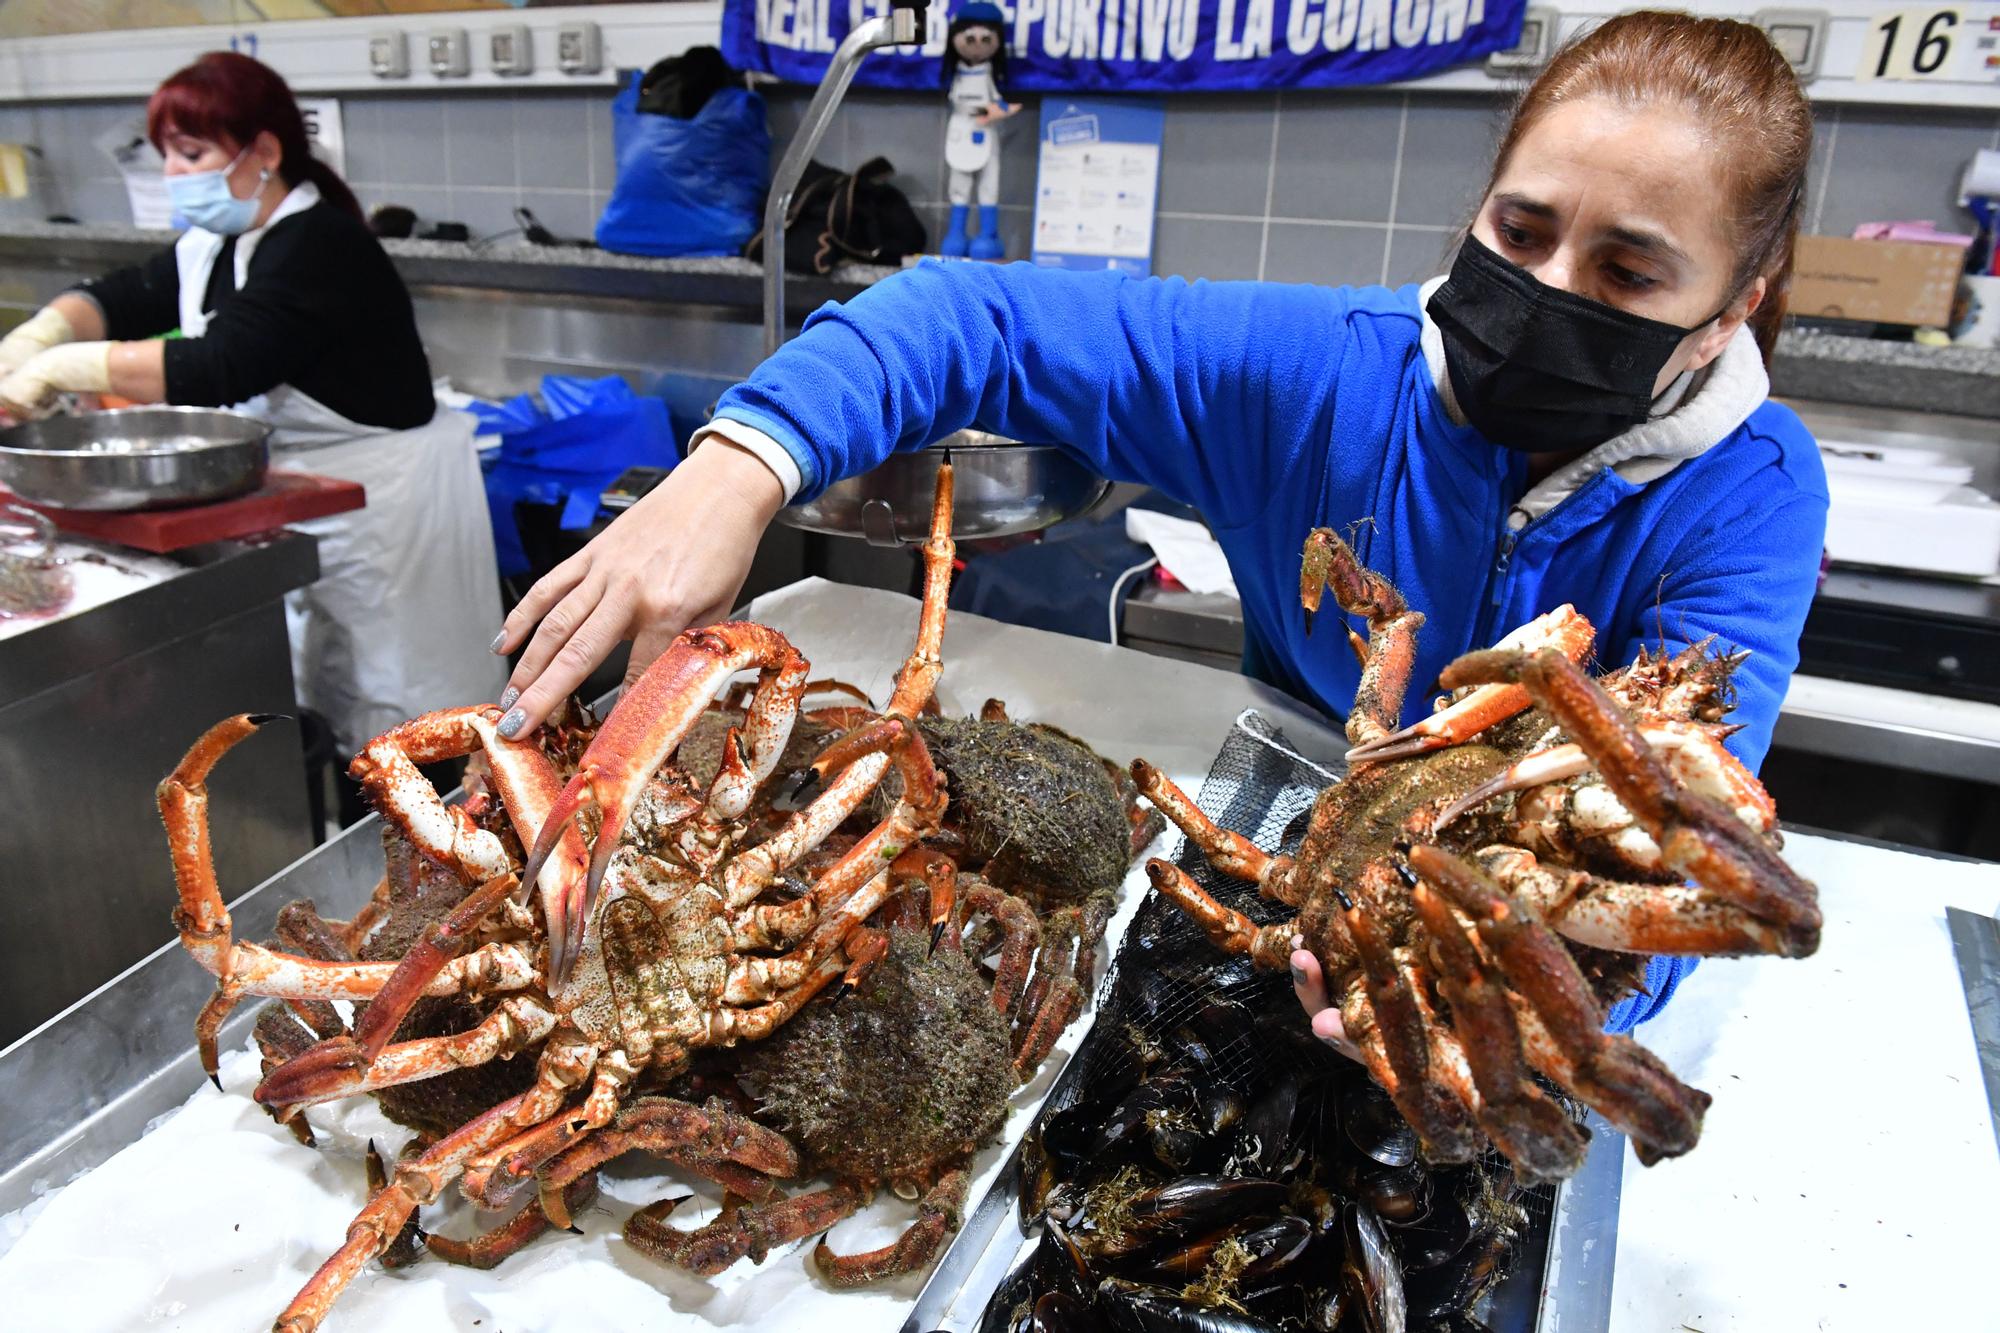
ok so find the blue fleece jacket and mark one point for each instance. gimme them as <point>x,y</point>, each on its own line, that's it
<point>1276,409</point>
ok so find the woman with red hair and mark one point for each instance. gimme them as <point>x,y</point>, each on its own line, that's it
<point>288,308</point>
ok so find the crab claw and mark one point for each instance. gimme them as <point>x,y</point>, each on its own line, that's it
<point>642,732</point>
<point>1564,629</point>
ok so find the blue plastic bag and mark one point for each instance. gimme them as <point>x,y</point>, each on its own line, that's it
<point>687,187</point>
<point>565,451</point>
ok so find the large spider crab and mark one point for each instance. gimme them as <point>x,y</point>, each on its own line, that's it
<point>682,956</point>
<point>1462,885</point>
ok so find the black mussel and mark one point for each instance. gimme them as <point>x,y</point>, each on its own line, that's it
<point>1133,1307</point>
<point>1154,1220</point>
<point>1011,1308</point>
<point>1438,1237</point>
<point>1192,1049</point>
<point>1060,1312</point>
<point>1399,1195</point>
<point>1222,1024</point>
<point>1169,1092</point>
<point>1376,1127</point>
<point>1267,1140</point>
<point>1274,1247</point>
<point>1066,1134</point>
<point>1037,1176</point>
<point>1220,1109</point>
<point>1455,1285</point>
<point>1312,1302</point>
<point>1174,1139</point>
<point>1237,1254</point>
<point>1372,1276</point>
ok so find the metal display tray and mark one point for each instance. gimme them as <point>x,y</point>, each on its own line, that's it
<point>88,1082</point>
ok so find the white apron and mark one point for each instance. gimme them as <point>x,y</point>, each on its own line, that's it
<point>408,596</point>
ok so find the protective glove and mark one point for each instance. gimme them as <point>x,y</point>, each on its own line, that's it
<point>42,330</point>
<point>71,368</point>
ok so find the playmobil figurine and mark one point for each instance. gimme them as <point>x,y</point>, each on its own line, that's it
<point>975,68</point>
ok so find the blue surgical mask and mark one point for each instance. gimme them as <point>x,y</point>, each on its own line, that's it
<point>203,198</point>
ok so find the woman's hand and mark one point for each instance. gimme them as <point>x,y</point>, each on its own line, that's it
<point>1310,987</point>
<point>677,558</point>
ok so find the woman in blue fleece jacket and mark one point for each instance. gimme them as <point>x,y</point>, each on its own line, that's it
<point>1577,413</point>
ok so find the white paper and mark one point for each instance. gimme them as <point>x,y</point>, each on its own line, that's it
<point>217,1216</point>
<point>141,167</point>
<point>1846,1176</point>
<point>1186,550</point>
<point>1097,198</point>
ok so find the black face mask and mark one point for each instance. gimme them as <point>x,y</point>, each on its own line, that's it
<point>1542,370</point>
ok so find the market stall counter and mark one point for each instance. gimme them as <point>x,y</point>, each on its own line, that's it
<point>1852,1078</point>
<point>97,701</point>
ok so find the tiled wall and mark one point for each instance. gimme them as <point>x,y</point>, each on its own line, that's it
<point>1300,187</point>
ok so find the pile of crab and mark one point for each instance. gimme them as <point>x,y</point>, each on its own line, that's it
<point>706,930</point>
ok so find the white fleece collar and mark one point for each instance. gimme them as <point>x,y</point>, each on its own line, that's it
<point>1695,414</point>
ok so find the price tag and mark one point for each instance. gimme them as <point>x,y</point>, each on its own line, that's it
<point>1913,44</point>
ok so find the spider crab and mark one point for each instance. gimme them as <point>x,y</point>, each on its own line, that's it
<point>1470,886</point>
<point>899,1083</point>
<point>638,930</point>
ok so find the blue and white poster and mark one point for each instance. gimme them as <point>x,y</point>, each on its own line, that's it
<point>1145,46</point>
<point>1095,187</point>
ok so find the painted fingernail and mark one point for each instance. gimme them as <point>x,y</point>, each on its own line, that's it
<point>511,724</point>
<point>508,696</point>
<point>1298,975</point>
<point>498,639</point>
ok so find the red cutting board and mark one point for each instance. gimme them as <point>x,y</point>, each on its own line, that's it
<point>285,497</point>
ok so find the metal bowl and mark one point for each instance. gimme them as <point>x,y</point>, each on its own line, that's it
<point>999,488</point>
<point>135,458</point>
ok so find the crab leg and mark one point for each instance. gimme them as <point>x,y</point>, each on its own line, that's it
<point>1021,933</point>
<point>1400,1023</point>
<point>332,1060</point>
<point>1270,946</point>
<point>1563,1028</point>
<point>1329,563</point>
<point>250,969</point>
<point>516,1025</point>
<point>1698,837</point>
<point>1627,917</point>
<point>1231,853</point>
<point>654,714</point>
<point>1535,1134</point>
<point>1562,629</point>
<point>741,1232</point>
<point>750,873</point>
<point>1695,758</point>
<point>510,1237</point>
<point>704,1138</point>
<point>938,1215</point>
<point>522,777</point>
<point>416,1182</point>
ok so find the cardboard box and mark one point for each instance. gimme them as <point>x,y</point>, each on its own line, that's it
<point>1879,282</point>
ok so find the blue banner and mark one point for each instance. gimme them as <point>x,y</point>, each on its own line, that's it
<point>1134,46</point>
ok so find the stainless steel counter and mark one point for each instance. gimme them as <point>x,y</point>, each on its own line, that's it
<point>95,709</point>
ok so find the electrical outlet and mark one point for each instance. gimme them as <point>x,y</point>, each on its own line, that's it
<point>451,57</point>
<point>1799,35</point>
<point>579,48</point>
<point>510,49</point>
<point>389,55</point>
<point>1537,44</point>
